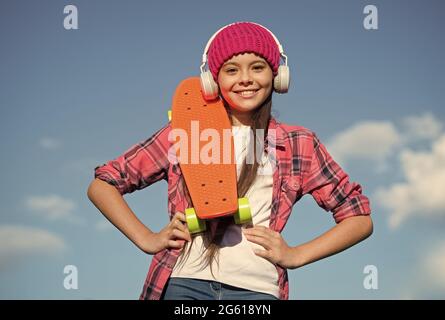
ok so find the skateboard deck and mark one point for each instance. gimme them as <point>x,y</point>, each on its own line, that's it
<point>212,186</point>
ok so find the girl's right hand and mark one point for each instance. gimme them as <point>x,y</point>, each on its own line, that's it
<point>172,236</point>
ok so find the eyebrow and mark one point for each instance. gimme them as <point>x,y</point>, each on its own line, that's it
<point>237,64</point>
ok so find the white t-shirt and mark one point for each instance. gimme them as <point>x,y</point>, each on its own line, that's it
<point>239,266</point>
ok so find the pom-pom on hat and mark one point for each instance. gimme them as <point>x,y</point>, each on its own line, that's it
<point>242,37</point>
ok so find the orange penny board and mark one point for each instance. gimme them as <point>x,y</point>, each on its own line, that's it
<point>208,166</point>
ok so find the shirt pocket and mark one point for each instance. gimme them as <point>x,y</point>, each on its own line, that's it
<point>291,188</point>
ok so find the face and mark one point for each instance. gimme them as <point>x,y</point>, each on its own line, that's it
<point>245,81</point>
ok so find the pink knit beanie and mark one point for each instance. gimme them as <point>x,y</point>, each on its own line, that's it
<point>242,37</point>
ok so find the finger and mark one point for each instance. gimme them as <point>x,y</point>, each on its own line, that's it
<point>180,216</point>
<point>176,243</point>
<point>258,232</point>
<point>184,228</point>
<point>264,242</point>
<point>179,225</point>
<point>181,234</point>
<point>183,222</point>
<point>262,231</point>
<point>266,230</point>
<point>262,253</point>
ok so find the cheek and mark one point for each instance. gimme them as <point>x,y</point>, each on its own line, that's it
<point>224,88</point>
<point>268,83</point>
<point>223,84</point>
<point>269,87</point>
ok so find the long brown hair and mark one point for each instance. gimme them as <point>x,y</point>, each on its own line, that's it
<point>212,240</point>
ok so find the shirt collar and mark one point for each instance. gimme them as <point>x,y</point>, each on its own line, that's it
<point>279,134</point>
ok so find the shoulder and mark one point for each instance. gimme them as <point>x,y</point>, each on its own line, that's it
<point>292,128</point>
<point>159,137</point>
<point>295,132</point>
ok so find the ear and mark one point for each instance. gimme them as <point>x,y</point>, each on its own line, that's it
<point>209,87</point>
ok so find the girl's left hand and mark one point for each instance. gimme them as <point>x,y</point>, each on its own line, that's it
<point>277,251</point>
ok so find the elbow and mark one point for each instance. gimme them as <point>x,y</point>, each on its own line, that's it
<point>91,190</point>
<point>363,225</point>
<point>97,187</point>
<point>368,227</point>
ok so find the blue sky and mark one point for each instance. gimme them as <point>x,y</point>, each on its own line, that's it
<point>73,99</point>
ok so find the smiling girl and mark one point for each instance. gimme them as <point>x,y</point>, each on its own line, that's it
<point>230,261</point>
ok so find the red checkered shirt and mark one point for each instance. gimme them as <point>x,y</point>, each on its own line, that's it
<point>303,165</point>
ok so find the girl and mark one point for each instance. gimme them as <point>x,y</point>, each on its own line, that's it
<point>230,261</point>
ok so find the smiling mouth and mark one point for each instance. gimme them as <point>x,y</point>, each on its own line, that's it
<point>247,93</point>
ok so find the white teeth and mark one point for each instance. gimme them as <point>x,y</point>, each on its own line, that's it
<point>247,93</point>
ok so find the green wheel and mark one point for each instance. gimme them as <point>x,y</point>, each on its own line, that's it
<point>243,215</point>
<point>194,224</point>
<point>169,114</point>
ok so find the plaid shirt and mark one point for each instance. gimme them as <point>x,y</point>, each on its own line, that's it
<point>302,166</point>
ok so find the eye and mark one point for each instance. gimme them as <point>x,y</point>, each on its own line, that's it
<point>258,67</point>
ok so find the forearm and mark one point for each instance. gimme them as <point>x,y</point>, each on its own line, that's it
<point>342,236</point>
<point>110,202</point>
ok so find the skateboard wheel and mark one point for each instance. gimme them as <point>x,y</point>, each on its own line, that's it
<point>194,224</point>
<point>169,114</point>
<point>243,215</point>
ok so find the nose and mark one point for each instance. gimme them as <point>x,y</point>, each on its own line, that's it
<point>245,77</point>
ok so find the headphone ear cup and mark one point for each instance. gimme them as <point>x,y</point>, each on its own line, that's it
<point>282,79</point>
<point>209,86</point>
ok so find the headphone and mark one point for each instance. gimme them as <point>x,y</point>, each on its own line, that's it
<point>210,87</point>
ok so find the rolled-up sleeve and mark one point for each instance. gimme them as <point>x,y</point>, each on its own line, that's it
<point>140,166</point>
<point>330,186</point>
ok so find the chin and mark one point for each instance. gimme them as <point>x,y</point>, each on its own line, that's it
<point>248,104</point>
<point>244,107</point>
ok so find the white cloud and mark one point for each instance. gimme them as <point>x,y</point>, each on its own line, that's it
<point>421,127</point>
<point>426,279</point>
<point>370,140</point>
<point>422,194</point>
<point>390,147</point>
<point>18,242</point>
<point>378,140</point>
<point>50,143</point>
<point>52,207</point>
<point>434,266</point>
